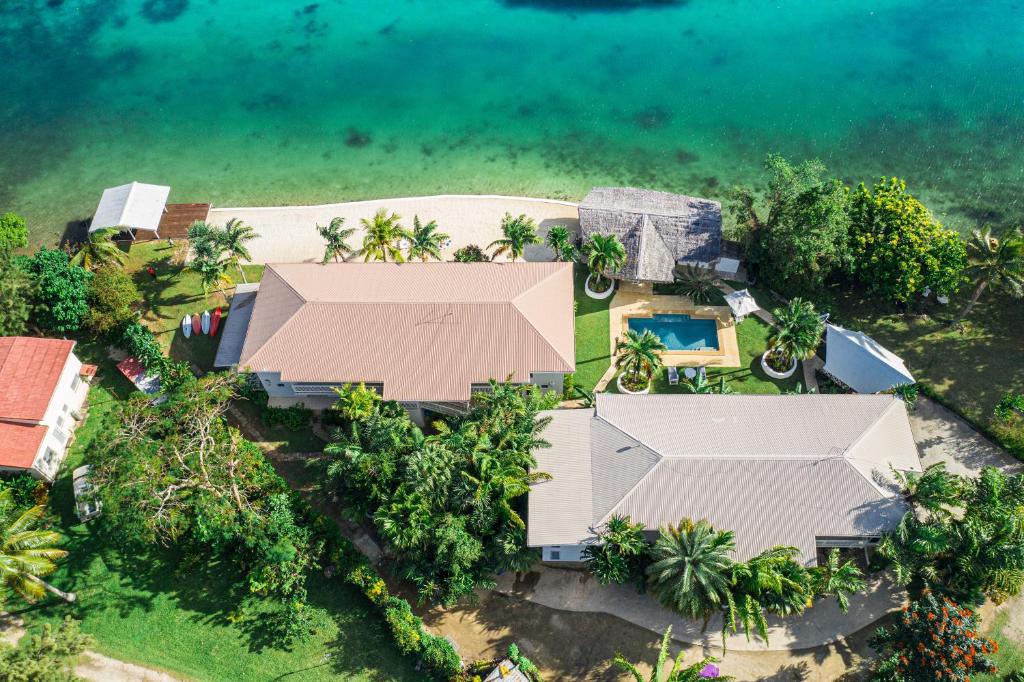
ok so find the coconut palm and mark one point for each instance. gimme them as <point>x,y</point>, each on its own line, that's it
<point>204,241</point>
<point>560,240</point>
<point>697,284</point>
<point>383,237</point>
<point>100,250</point>
<point>212,274</point>
<point>780,584</point>
<point>638,353</point>
<point>604,253</point>
<point>425,242</point>
<point>837,578</point>
<point>233,239</point>
<point>336,237</point>
<point>996,262</point>
<point>519,232</point>
<point>702,670</point>
<point>692,568</point>
<point>26,552</point>
<point>798,332</point>
<point>930,492</point>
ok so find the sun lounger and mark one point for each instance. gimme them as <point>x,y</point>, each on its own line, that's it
<point>673,376</point>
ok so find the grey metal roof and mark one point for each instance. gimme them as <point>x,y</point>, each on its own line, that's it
<point>657,229</point>
<point>776,470</point>
<point>860,362</point>
<point>235,325</point>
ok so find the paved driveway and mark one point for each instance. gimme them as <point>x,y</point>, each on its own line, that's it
<point>942,436</point>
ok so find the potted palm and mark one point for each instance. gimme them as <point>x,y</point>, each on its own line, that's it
<point>798,332</point>
<point>604,252</point>
<point>638,359</point>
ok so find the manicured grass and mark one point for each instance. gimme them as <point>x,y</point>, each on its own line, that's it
<point>592,341</point>
<point>278,437</point>
<point>183,616</point>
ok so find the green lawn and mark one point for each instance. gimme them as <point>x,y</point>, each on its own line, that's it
<point>1010,657</point>
<point>181,616</point>
<point>592,341</point>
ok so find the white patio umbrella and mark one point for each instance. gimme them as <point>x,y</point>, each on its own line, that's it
<point>741,303</point>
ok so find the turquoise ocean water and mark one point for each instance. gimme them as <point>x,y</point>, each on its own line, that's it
<point>241,102</point>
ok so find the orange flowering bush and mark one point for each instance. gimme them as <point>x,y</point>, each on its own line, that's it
<point>932,639</point>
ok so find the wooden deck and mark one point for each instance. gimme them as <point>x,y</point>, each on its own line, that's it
<point>175,222</point>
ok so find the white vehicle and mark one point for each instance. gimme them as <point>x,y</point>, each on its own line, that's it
<point>87,503</point>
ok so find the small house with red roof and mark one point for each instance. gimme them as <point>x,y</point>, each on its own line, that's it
<point>42,388</point>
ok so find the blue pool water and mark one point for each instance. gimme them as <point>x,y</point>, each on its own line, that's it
<point>679,332</point>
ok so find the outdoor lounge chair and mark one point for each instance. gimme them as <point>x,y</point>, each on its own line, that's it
<point>673,376</point>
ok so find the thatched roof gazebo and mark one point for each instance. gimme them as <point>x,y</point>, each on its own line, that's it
<point>658,229</point>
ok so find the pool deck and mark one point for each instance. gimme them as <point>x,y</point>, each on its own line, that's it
<point>639,300</point>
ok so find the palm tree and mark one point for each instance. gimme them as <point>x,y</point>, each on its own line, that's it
<point>100,250</point>
<point>700,671</point>
<point>383,237</point>
<point>26,552</point>
<point>933,491</point>
<point>426,242</point>
<point>996,262</point>
<point>697,284</point>
<point>780,584</point>
<point>691,569</point>
<point>518,233</point>
<point>233,239</point>
<point>560,240</point>
<point>337,240</point>
<point>638,353</point>
<point>212,274</point>
<point>835,578</point>
<point>604,253</point>
<point>798,332</point>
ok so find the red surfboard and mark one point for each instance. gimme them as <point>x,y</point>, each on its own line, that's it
<point>197,326</point>
<point>214,322</point>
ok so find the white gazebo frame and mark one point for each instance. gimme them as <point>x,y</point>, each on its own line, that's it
<point>131,207</point>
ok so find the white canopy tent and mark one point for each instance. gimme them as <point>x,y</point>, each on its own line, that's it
<point>741,303</point>
<point>860,362</point>
<point>135,206</point>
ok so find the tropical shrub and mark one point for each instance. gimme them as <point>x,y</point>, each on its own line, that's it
<point>25,490</point>
<point>356,403</point>
<point>932,639</point>
<point>704,669</point>
<point>525,665</point>
<point>112,297</point>
<point>17,293</point>
<point>697,284</point>
<point>620,553</point>
<point>61,290</point>
<point>440,657</point>
<point>13,233</point>
<point>802,237</point>
<point>49,656</point>
<point>406,628</point>
<point>798,332</point>
<point>293,417</point>
<point>907,393</point>
<point>470,253</point>
<point>898,248</point>
<point>140,343</point>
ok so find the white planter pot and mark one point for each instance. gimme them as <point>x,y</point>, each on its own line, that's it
<point>595,294</point>
<point>766,368</point>
<point>623,389</point>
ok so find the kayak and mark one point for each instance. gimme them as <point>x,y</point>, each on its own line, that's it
<point>196,324</point>
<point>205,321</point>
<point>215,322</point>
<point>186,326</point>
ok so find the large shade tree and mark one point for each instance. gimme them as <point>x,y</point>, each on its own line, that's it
<point>518,232</point>
<point>995,262</point>
<point>336,236</point>
<point>61,290</point>
<point>383,236</point>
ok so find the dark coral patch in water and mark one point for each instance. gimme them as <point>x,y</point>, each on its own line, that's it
<point>162,11</point>
<point>684,157</point>
<point>652,118</point>
<point>357,138</point>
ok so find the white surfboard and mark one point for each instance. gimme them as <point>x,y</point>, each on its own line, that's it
<point>186,326</point>
<point>205,321</point>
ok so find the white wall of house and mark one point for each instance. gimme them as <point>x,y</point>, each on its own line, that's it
<point>562,553</point>
<point>60,418</point>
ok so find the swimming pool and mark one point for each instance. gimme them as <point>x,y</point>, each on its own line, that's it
<point>679,332</point>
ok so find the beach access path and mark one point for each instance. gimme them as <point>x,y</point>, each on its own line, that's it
<point>287,234</point>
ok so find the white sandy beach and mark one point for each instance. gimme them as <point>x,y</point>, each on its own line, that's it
<point>288,233</point>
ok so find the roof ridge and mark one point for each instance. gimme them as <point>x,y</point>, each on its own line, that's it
<point>302,304</point>
<point>661,458</point>
<point>846,458</point>
<point>513,302</point>
<point>284,280</point>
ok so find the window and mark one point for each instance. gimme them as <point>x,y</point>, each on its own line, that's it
<point>49,456</point>
<point>60,436</point>
<point>65,409</point>
<point>314,389</point>
<point>60,421</point>
<point>555,555</point>
<point>76,382</point>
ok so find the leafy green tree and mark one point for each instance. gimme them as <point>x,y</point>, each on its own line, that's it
<point>691,569</point>
<point>17,293</point>
<point>698,672</point>
<point>637,355</point>
<point>112,298</point>
<point>337,237</point>
<point>605,253</point>
<point>13,233</point>
<point>49,656</point>
<point>932,639</point>
<point>798,332</point>
<point>801,238</point>
<point>233,239</point>
<point>932,492</point>
<point>27,552</point>
<point>620,552</point>
<point>100,251</point>
<point>518,233</point>
<point>898,248</point>
<point>356,403</point>
<point>212,274</point>
<point>204,241</point>
<point>383,237</point>
<point>697,284</point>
<point>471,253</point>
<point>425,242</point>
<point>61,290</point>
<point>560,240</point>
<point>996,262</point>
<point>837,578</point>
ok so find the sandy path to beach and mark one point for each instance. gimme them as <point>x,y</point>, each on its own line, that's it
<point>288,233</point>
